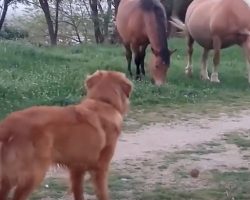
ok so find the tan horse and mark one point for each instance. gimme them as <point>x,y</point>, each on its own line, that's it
<point>143,22</point>
<point>216,24</point>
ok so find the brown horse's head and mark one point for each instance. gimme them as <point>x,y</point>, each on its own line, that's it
<point>159,65</point>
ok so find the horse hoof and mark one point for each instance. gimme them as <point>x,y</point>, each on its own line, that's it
<point>214,78</point>
<point>138,78</point>
<point>189,72</point>
<point>204,78</point>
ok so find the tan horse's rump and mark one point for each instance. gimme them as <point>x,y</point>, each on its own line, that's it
<point>216,24</point>
<point>140,23</point>
<point>82,138</point>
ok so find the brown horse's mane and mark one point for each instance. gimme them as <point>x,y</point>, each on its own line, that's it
<point>156,7</point>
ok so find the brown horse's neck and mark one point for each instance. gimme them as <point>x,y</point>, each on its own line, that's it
<point>154,19</point>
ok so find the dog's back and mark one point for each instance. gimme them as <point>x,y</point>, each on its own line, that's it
<point>35,138</point>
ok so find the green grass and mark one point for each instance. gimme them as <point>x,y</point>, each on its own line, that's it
<point>54,188</point>
<point>58,188</point>
<point>54,76</point>
<point>242,140</point>
<point>223,186</point>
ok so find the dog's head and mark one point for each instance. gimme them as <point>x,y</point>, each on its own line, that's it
<point>111,87</point>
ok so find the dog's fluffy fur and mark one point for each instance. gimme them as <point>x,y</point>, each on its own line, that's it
<point>80,137</point>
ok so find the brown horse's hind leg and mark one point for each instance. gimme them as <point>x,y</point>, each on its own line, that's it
<point>188,69</point>
<point>216,59</point>
<point>76,177</point>
<point>204,73</point>
<point>129,58</point>
<point>246,48</point>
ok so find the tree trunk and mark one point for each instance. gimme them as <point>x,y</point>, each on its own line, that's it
<point>77,33</point>
<point>98,34</point>
<point>56,19</point>
<point>53,36</point>
<point>116,4</point>
<point>4,12</point>
<point>115,35</point>
<point>107,18</point>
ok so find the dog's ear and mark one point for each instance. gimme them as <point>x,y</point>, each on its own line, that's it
<point>91,80</point>
<point>127,88</point>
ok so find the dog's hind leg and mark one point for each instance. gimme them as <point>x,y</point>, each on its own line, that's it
<point>5,188</point>
<point>31,178</point>
<point>23,191</point>
<point>100,181</point>
<point>76,176</point>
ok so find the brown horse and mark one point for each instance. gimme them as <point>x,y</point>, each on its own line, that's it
<point>216,24</point>
<point>143,22</point>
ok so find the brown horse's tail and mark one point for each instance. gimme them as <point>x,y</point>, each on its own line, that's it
<point>180,25</point>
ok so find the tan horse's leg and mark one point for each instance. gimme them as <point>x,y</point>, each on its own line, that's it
<point>216,59</point>
<point>204,73</point>
<point>246,48</point>
<point>189,67</point>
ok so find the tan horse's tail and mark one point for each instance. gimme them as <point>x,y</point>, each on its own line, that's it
<point>179,24</point>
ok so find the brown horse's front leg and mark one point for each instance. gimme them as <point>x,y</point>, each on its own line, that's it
<point>129,58</point>
<point>142,58</point>
<point>137,60</point>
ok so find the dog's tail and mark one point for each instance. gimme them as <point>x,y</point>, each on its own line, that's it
<point>4,135</point>
<point>180,25</point>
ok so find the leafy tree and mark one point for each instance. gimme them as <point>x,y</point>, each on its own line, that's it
<point>4,5</point>
<point>52,26</point>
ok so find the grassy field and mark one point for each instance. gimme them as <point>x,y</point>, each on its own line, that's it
<point>35,76</point>
<point>54,76</point>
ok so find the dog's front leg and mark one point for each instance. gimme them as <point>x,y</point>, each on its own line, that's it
<point>100,181</point>
<point>76,177</point>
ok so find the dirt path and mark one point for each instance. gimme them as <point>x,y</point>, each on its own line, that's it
<point>187,134</point>
<point>178,135</point>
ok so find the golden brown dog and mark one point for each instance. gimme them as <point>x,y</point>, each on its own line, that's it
<point>80,137</point>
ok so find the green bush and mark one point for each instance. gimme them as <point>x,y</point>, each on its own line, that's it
<point>12,33</point>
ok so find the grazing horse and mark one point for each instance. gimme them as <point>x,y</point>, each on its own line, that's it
<point>216,24</point>
<point>140,23</point>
